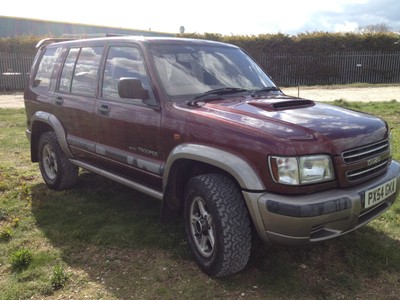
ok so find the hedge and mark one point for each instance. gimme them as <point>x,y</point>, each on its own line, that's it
<point>307,58</point>
<point>23,44</point>
<point>310,43</point>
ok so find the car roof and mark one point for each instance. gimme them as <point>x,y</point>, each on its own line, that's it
<point>139,39</point>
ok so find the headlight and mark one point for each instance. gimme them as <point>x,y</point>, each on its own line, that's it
<point>390,144</point>
<point>301,170</point>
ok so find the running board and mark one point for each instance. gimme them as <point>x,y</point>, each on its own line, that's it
<point>137,186</point>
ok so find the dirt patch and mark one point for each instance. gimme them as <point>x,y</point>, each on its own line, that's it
<point>325,93</point>
<point>15,100</point>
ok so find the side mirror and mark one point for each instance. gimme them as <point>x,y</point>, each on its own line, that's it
<point>132,88</point>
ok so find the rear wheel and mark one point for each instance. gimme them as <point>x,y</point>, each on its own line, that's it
<point>57,171</point>
<point>217,224</point>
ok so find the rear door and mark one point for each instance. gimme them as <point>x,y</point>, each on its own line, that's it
<point>75,98</point>
<point>127,129</point>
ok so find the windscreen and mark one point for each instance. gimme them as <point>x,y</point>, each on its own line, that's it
<point>188,70</point>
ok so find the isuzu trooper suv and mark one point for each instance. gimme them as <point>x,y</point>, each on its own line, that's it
<point>200,126</point>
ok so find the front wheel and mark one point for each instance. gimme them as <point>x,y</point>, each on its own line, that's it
<point>217,224</point>
<point>57,171</point>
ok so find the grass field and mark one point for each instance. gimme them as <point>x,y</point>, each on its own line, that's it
<point>101,240</point>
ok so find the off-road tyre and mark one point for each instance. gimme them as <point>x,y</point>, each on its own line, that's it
<point>57,171</point>
<point>217,224</point>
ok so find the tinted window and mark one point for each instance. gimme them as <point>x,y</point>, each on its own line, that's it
<point>46,66</point>
<point>84,80</point>
<point>123,62</point>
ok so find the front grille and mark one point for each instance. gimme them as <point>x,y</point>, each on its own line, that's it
<point>362,153</point>
<point>366,172</point>
<point>371,160</point>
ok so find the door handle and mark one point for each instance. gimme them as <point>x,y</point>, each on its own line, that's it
<point>104,110</point>
<point>59,100</point>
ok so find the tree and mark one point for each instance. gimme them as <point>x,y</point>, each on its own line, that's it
<point>374,28</point>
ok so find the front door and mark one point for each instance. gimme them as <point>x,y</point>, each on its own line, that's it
<point>127,129</point>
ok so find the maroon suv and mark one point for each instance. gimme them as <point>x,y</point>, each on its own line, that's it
<point>199,125</point>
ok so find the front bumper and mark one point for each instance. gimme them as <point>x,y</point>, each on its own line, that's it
<point>299,220</point>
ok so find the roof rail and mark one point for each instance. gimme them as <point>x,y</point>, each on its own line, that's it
<point>52,40</point>
<point>115,34</point>
<point>48,41</point>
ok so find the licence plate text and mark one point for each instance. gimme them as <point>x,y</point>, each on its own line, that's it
<point>380,193</point>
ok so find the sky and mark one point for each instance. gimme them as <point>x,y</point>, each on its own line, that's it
<point>249,17</point>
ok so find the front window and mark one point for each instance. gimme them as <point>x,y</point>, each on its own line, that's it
<point>188,70</point>
<point>124,62</point>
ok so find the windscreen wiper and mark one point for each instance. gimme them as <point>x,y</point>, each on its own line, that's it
<point>264,90</point>
<point>216,92</point>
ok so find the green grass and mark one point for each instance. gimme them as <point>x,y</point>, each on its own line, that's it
<point>101,240</point>
<point>349,85</point>
<point>20,259</point>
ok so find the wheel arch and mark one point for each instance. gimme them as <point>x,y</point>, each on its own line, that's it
<point>189,160</point>
<point>43,122</point>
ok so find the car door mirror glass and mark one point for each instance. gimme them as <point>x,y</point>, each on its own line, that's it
<point>132,88</point>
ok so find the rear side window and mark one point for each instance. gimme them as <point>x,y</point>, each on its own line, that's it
<point>46,67</point>
<point>68,70</point>
<point>80,71</point>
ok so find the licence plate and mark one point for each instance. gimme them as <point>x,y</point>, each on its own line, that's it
<point>380,193</point>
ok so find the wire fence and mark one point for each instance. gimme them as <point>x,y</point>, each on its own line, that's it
<point>285,69</point>
<point>335,68</point>
<point>14,70</point>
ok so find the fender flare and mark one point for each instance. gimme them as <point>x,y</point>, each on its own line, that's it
<point>53,122</point>
<point>232,164</point>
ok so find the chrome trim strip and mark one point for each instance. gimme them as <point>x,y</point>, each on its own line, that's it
<point>371,169</point>
<point>365,150</point>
